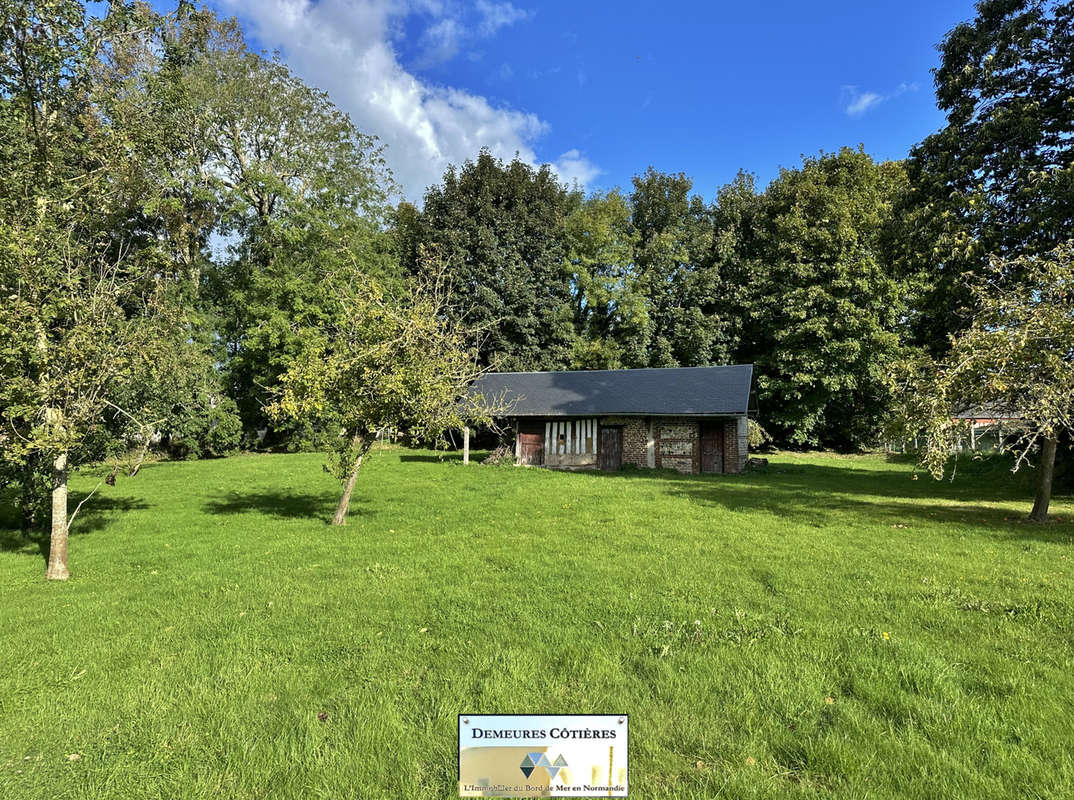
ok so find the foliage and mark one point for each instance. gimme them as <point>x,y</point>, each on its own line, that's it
<point>756,436</point>
<point>820,307</point>
<point>610,310</point>
<point>998,179</point>
<point>384,363</point>
<point>303,194</point>
<point>673,269</point>
<point>499,231</point>
<point>207,427</point>
<point>1013,360</point>
<point>90,307</point>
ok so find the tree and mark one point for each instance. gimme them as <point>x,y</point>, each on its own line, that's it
<point>303,195</point>
<point>998,179</point>
<point>499,231</point>
<point>821,308</point>
<point>78,332</point>
<point>673,268</point>
<point>89,310</point>
<point>1017,356</point>
<point>609,304</point>
<point>383,363</point>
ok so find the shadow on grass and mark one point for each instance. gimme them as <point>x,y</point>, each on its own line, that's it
<point>279,504</point>
<point>437,458</point>
<point>96,514</point>
<point>823,496</point>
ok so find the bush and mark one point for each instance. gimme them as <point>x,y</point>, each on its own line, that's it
<point>208,429</point>
<point>502,456</point>
<point>757,437</point>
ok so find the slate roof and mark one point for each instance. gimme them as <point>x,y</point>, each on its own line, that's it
<point>687,391</point>
<point>986,412</point>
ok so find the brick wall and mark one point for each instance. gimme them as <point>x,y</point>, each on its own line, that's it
<point>635,438</point>
<point>677,444</point>
<point>730,446</point>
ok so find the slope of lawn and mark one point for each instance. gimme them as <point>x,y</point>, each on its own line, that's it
<point>828,628</point>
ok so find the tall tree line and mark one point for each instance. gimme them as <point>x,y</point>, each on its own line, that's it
<point>179,212</point>
<point>826,278</point>
<point>797,279</point>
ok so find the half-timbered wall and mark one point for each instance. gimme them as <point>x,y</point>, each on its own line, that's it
<point>571,442</point>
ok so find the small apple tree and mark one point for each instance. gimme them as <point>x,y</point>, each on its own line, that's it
<point>1016,356</point>
<point>383,362</point>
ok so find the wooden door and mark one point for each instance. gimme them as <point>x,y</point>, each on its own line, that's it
<point>611,448</point>
<point>712,447</point>
<point>531,443</point>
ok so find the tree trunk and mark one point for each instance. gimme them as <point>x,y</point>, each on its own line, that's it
<point>345,501</point>
<point>57,551</point>
<point>1044,488</point>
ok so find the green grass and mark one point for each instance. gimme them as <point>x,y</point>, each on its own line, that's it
<point>828,628</point>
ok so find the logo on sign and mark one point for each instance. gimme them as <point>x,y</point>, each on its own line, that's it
<point>531,761</point>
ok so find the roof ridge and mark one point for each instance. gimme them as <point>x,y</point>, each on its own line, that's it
<point>624,369</point>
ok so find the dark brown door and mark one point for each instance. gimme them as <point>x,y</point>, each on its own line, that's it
<point>531,443</point>
<point>611,448</point>
<point>712,447</point>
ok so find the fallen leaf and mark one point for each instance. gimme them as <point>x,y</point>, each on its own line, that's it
<point>74,756</point>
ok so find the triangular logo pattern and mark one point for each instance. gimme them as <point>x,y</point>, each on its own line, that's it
<point>531,761</point>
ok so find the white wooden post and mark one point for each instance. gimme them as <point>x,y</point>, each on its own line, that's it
<point>466,444</point>
<point>973,434</point>
<point>518,446</point>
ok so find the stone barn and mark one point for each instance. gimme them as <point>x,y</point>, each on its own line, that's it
<point>690,419</point>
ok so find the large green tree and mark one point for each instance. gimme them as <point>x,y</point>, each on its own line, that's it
<point>499,229</point>
<point>383,362</point>
<point>260,189</point>
<point>611,313</point>
<point>303,197</point>
<point>821,309</point>
<point>89,311</point>
<point>673,267</point>
<point>998,178</point>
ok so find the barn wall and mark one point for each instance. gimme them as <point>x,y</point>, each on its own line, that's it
<point>661,442</point>
<point>577,449</point>
<point>677,445</point>
<point>635,438</point>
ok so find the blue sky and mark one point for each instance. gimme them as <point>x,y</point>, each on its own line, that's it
<point>604,89</point>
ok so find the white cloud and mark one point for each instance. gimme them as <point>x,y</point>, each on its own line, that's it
<point>862,102</point>
<point>498,15</point>
<point>858,102</point>
<point>440,41</point>
<point>345,48</point>
<point>574,168</point>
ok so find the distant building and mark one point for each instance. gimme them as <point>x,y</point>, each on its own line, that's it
<point>690,419</point>
<point>987,426</point>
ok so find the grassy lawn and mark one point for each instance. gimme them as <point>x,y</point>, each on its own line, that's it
<point>828,628</point>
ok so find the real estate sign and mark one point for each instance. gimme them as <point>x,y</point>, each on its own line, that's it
<point>571,755</point>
